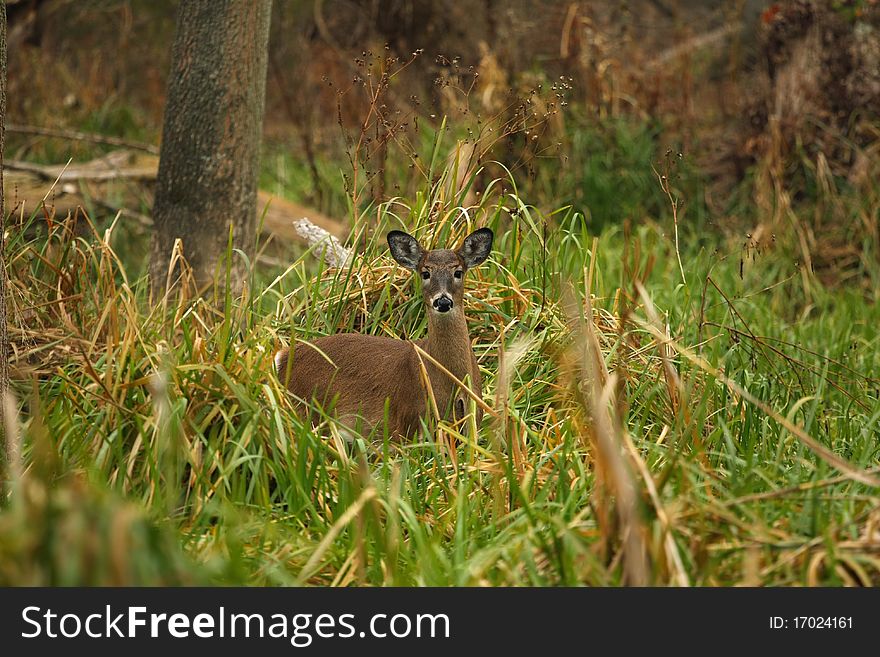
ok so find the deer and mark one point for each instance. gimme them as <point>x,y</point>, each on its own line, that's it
<point>377,383</point>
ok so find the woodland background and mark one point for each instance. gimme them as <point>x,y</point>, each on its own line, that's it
<point>677,331</point>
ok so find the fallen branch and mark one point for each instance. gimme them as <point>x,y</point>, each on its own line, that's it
<point>74,135</point>
<point>28,185</point>
<point>335,255</point>
<point>91,174</point>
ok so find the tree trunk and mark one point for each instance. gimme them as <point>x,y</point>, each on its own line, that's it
<point>209,159</point>
<point>4,335</point>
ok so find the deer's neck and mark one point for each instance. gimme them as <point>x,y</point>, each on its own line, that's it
<point>448,342</point>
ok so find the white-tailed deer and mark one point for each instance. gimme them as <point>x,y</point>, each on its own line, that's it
<point>366,380</point>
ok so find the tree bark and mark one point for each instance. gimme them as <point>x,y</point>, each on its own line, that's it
<point>209,158</point>
<point>4,335</point>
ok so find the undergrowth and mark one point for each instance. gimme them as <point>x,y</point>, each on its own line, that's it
<point>651,424</point>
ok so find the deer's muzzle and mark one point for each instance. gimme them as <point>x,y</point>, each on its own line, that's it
<point>443,303</point>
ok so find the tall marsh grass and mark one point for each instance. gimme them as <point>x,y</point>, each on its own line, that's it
<point>644,430</point>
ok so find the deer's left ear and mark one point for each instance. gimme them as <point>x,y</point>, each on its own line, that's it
<point>477,247</point>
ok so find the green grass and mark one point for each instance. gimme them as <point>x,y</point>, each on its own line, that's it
<point>168,414</point>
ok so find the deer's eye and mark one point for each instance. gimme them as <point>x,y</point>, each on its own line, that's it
<point>426,274</point>
<point>458,273</point>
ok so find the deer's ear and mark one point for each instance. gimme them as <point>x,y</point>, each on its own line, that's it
<point>477,247</point>
<point>405,248</point>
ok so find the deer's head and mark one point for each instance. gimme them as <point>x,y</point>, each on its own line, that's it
<point>441,270</point>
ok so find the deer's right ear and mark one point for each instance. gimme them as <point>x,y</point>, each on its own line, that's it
<point>405,248</point>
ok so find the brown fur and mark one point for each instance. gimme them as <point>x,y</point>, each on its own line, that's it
<point>361,379</point>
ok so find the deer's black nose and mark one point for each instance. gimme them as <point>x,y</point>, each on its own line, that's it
<point>443,304</point>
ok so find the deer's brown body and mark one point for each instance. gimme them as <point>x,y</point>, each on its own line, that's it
<point>367,380</point>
